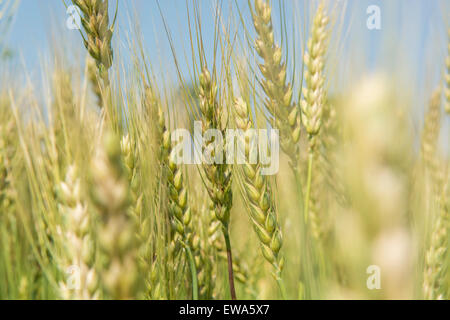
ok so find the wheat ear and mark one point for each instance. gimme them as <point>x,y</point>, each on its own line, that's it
<point>218,176</point>
<point>312,104</point>
<point>97,40</point>
<point>6,155</point>
<point>116,234</point>
<point>278,90</point>
<point>179,209</point>
<point>435,270</point>
<point>430,138</point>
<point>79,244</point>
<point>258,196</point>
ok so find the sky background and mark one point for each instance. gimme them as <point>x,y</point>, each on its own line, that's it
<point>413,22</point>
<point>412,39</point>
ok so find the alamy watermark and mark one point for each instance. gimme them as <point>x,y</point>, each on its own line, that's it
<point>254,146</point>
<point>374,19</point>
<point>374,280</point>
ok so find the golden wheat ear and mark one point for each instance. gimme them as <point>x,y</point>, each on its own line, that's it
<point>286,116</point>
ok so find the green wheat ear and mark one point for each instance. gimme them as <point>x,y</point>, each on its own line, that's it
<point>219,175</point>
<point>95,22</point>
<point>97,41</point>
<point>258,196</point>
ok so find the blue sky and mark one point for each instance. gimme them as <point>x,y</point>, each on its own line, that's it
<point>30,32</point>
<point>38,20</point>
<point>414,27</point>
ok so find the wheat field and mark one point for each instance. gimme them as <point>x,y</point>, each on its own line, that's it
<point>96,204</point>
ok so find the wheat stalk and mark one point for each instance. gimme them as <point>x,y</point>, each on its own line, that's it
<point>316,208</point>
<point>278,90</point>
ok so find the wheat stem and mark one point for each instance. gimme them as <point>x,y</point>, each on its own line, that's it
<point>193,273</point>
<point>308,186</point>
<point>230,263</point>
